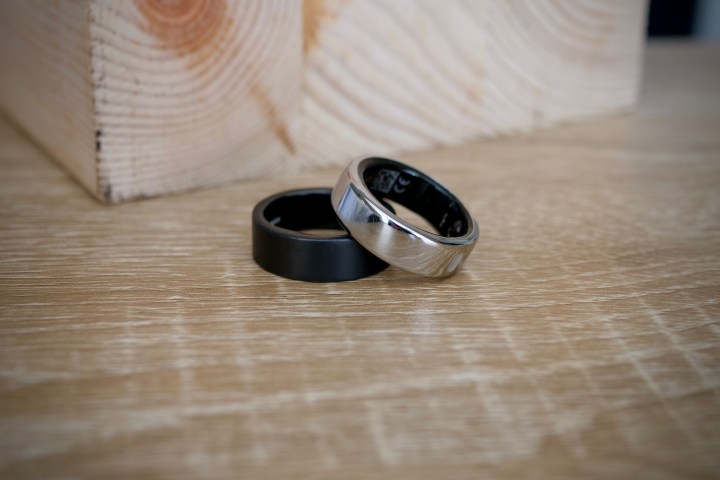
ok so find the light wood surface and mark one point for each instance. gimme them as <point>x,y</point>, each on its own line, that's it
<point>146,97</point>
<point>412,74</point>
<point>45,81</point>
<point>193,92</point>
<point>581,339</point>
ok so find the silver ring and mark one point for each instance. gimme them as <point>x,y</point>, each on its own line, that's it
<point>356,200</point>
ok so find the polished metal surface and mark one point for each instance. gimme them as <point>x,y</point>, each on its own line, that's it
<point>393,239</point>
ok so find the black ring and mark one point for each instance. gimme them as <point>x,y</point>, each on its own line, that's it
<point>280,248</point>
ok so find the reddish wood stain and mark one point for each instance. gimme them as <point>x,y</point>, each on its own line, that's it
<point>195,29</point>
<point>198,30</point>
<point>315,13</point>
<point>277,124</point>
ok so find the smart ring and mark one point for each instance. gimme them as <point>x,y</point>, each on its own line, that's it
<point>358,199</point>
<point>281,247</point>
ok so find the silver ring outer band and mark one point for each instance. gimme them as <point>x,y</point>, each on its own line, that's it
<point>356,200</point>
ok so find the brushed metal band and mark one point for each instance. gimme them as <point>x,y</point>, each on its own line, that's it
<point>357,198</point>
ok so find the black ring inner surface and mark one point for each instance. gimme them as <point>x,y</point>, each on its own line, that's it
<point>303,212</point>
<point>417,192</point>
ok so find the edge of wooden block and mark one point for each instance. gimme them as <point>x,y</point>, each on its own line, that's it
<point>193,94</point>
<point>45,85</point>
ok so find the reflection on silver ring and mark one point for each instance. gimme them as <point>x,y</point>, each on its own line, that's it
<point>356,200</point>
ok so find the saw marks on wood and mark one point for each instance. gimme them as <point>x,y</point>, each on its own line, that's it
<point>193,92</point>
<point>385,76</point>
<point>408,75</point>
<point>592,44</point>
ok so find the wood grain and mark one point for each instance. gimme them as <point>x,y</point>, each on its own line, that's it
<point>187,93</point>
<point>414,74</point>
<point>45,81</point>
<point>194,92</point>
<point>581,339</point>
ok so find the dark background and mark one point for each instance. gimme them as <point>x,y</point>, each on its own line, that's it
<point>684,18</point>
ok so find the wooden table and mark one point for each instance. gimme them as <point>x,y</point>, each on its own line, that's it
<point>582,338</point>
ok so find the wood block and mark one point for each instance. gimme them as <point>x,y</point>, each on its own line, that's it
<point>412,74</point>
<point>45,84</point>
<point>150,97</point>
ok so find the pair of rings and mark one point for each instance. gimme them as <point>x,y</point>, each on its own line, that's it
<point>375,236</point>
